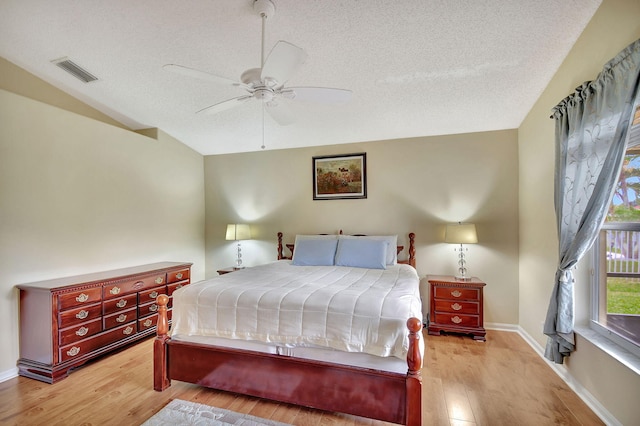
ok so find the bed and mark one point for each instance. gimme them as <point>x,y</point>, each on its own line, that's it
<point>299,331</point>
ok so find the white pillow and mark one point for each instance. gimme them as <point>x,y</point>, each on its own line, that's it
<point>361,253</point>
<point>392,245</point>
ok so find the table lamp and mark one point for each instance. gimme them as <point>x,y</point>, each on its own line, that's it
<point>238,232</point>
<point>461,233</point>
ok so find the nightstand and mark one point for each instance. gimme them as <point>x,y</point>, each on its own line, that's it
<point>456,306</point>
<point>227,270</point>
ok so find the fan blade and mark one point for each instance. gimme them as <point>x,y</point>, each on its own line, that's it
<point>282,62</point>
<point>280,112</point>
<point>224,105</point>
<point>190,72</point>
<point>325,95</point>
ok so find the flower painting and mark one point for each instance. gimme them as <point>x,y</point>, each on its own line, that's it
<point>340,176</point>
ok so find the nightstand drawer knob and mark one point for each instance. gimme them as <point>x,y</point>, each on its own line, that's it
<point>82,331</point>
<point>159,280</point>
<point>456,319</point>
<point>456,306</point>
<point>153,294</point>
<point>115,290</point>
<point>456,293</point>
<point>121,318</point>
<point>82,314</point>
<point>179,275</point>
<point>148,323</point>
<point>127,330</point>
<point>82,297</point>
<point>121,303</point>
<point>73,351</point>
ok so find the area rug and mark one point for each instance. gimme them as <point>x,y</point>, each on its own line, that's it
<point>179,412</point>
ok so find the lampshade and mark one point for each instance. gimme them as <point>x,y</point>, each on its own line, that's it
<point>238,231</point>
<point>461,233</point>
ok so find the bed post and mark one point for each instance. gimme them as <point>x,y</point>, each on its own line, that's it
<point>280,254</point>
<point>414,376</point>
<point>160,373</point>
<point>412,249</point>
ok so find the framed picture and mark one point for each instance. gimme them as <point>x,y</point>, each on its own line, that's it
<point>340,176</point>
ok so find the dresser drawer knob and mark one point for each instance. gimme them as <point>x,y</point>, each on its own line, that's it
<point>456,319</point>
<point>159,280</point>
<point>82,331</point>
<point>153,294</point>
<point>73,351</point>
<point>179,275</point>
<point>127,330</point>
<point>82,297</point>
<point>456,306</point>
<point>456,293</point>
<point>153,308</point>
<point>121,303</point>
<point>121,318</point>
<point>148,323</point>
<point>115,290</point>
<point>82,314</point>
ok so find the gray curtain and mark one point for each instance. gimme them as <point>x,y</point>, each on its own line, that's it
<point>591,132</point>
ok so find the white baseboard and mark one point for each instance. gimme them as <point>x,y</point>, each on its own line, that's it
<point>566,376</point>
<point>9,374</point>
<point>501,327</point>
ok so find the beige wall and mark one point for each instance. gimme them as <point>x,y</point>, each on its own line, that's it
<point>615,25</point>
<point>78,196</point>
<point>414,185</point>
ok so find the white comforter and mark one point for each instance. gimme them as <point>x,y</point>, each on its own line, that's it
<point>348,309</point>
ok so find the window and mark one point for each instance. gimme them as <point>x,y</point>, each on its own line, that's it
<point>616,289</point>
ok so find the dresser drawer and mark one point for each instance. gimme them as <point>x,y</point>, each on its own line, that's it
<point>78,349</point>
<point>460,320</point>
<point>456,293</point>
<point>119,304</point>
<point>151,295</point>
<point>79,315</point>
<point>125,287</point>
<point>119,318</point>
<point>78,298</point>
<point>457,307</point>
<point>147,323</point>
<point>173,287</point>
<point>147,309</point>
<point>79,332</point>
<point>175,276</point>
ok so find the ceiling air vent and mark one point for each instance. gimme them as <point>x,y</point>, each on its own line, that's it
<point>75,70</point>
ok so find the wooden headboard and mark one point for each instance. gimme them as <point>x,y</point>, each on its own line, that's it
<point>411,260</point>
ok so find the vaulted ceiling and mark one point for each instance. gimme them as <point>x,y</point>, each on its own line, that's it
<point>415,67</point>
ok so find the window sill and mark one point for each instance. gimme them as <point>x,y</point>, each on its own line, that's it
<point>622,355</point>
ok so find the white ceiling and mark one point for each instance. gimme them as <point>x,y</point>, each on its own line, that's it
<point>416,67</point>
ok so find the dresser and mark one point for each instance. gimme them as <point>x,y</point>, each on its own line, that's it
<point>456,306</point>
<point>66,322</point>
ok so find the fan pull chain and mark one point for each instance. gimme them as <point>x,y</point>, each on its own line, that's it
<point>262,126</point>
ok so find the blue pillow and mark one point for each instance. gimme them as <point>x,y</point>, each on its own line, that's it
<point>314,252</point>
<point>362,253</point>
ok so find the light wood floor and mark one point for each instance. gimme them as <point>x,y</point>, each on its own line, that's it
<point>499,382</point>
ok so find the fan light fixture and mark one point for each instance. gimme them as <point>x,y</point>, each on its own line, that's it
<point>461,233</point>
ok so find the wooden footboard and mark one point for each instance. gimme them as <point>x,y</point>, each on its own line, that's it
<point>359,391</point>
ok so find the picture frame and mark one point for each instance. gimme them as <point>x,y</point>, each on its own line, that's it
<point>339,177</point>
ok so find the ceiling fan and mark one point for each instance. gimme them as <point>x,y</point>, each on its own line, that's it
<point>266,83</point>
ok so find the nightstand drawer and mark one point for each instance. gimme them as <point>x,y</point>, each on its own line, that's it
<point>459,320</point>
<point>456,293</point>
<point>456,307</point>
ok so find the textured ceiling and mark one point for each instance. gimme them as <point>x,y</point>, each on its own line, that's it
<point>416,67</point>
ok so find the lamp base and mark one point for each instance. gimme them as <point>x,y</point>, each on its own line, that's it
<point>462,278</point>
